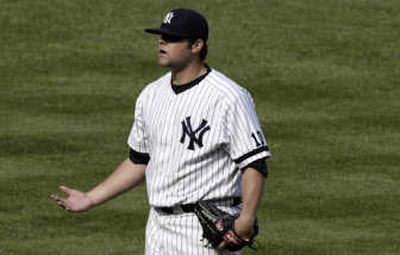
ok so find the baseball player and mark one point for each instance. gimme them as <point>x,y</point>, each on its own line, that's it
<point>195,137</point>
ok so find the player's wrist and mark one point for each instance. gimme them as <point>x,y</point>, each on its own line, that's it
<point>248,219</point>
<point>244,227</point>
<point>247,215</point>
<point>91,199</point>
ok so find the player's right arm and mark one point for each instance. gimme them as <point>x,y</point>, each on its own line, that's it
<point>125,177</point>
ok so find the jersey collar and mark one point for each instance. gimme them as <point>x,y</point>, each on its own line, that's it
<point>181,88</point>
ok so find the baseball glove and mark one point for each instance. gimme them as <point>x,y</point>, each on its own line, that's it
<point>218,227</point>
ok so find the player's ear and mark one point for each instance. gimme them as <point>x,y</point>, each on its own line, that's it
<point>197,46</point>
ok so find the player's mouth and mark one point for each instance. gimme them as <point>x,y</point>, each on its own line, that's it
<point>162,52</point>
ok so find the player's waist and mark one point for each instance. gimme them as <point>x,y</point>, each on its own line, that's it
<point>189,208</point>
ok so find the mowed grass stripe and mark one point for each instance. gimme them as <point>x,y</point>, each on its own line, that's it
<point>324,76</point>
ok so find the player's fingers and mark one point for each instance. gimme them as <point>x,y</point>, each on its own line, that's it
<point>222,246</point>
<point>55,197</point>
<point>66,190</point>
<point>59,200</point>
<point>232,239</point>
<point>63,203</point>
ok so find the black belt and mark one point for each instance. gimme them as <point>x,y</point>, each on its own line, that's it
<point>189,208</point>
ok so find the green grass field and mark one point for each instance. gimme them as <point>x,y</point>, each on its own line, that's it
<point>325,76</point>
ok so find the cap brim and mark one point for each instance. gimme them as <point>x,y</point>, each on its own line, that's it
<point>160,31</point>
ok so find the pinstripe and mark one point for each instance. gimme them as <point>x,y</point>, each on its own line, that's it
<point>175,235</point>
<point>176,174</point>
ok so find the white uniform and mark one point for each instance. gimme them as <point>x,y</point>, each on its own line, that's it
<point>197,140</point>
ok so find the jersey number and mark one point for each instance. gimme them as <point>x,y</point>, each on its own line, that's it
<point>258,139</point>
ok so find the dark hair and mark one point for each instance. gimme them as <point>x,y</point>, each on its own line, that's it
<point>203,51</point>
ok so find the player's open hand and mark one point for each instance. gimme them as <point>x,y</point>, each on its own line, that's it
<point>75,202</point>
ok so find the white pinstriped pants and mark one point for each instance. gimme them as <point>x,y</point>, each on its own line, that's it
<point>176,234</point>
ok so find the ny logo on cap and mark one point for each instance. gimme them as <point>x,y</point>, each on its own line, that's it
<point>196,135</point>
<point>168,18</point>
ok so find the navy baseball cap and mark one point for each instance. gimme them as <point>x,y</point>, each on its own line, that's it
<point>183,23</point>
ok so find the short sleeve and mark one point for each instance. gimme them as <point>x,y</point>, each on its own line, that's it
<point>138,137</point>
<point>247,142</point>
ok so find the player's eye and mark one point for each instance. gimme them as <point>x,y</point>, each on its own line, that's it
<point>172,38</point>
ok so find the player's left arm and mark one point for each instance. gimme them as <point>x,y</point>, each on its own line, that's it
<point>249,150</point>
<point>252,190</point>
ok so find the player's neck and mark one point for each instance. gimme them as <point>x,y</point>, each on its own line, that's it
<point>188,73</point>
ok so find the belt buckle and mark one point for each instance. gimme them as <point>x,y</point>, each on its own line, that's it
<point>177,210</point>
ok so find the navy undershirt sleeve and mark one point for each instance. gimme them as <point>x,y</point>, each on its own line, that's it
<point>138,157</point>
<point>260,165</point>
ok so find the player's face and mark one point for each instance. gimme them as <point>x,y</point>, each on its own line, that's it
<point>174,52</point>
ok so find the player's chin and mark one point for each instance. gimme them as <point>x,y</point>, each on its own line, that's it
<point>167,65</point>
<point>162,61</point>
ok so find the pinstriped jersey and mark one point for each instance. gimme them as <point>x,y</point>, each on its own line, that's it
<point>197,139</point>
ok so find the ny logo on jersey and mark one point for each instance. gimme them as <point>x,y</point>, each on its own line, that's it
<point>195,136</point>
<point>168,18</point>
